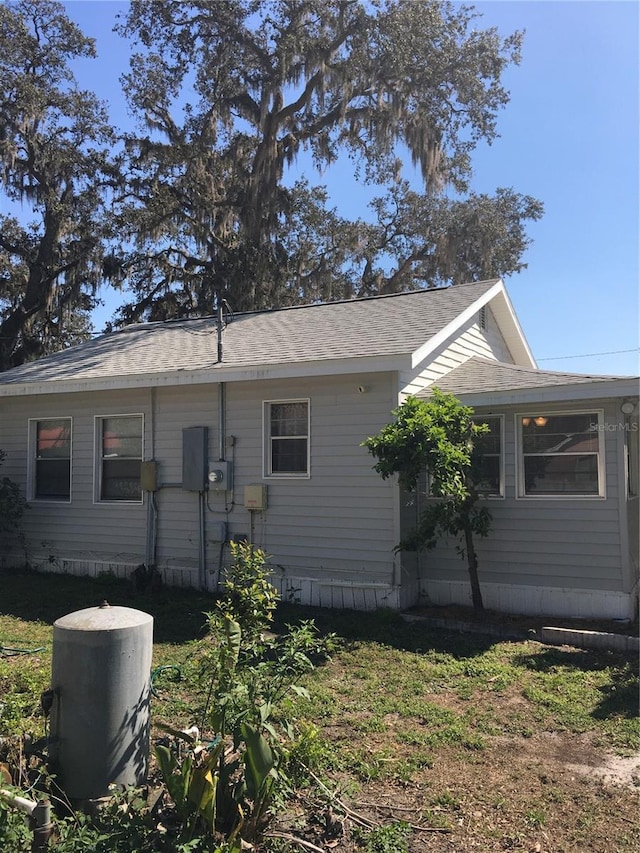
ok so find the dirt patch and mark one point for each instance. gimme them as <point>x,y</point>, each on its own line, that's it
<point>554,793</point>
<point>613,770</point>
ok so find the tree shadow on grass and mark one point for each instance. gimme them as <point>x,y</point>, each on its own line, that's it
<point>39,597</point>
<point>619,696</point>
<point>388,628</point>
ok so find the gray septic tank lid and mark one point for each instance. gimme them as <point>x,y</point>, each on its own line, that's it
<point>103,618</point>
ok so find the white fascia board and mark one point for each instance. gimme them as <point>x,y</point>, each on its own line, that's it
<point>599,390</point>
<point>212,376</point>
<point>511,329</point>
<point>506,318</point>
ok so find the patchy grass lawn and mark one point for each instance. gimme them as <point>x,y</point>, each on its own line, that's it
<point>446,742</point>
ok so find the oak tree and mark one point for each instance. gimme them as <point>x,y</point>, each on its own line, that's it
<point>231,94</point>
<point>54,170</point>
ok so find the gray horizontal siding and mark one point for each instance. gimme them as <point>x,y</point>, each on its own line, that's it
<point>81,528</point>
<point>339,523</point>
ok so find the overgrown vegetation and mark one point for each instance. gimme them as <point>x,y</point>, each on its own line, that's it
<point>407,739</point>
<point>230,784</point>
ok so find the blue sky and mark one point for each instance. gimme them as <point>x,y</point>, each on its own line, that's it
<point>569,136</point>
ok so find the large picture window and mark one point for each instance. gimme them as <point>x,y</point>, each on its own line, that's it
<point>287,438</point>
<point>51,454</point>
<point>119,442</point>
<point>487,457</point>
<point>560,455</point>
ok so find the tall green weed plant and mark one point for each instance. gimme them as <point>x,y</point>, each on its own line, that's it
<point>231,785</point>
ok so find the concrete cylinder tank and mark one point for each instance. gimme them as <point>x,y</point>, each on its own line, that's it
<point>100,676</point>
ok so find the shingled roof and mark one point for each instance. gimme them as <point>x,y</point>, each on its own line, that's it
<point>483,381</point>
<point>378,326</point>
<point>482,374</point>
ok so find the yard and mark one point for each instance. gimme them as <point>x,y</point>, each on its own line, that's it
<point>414,739</point>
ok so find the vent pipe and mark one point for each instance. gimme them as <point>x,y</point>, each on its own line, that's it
<point>219,328</point>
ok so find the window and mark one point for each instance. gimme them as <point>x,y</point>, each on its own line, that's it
<point>487,457</point>
<point>50,441</point>
<point>287,438</point>
<point>119,454</point>
<point>560,455</point>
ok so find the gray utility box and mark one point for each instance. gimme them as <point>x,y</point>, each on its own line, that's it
<point>195,443</point>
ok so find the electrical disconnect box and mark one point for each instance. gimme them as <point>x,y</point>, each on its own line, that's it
<point>220,476</point>
<point>148,476</point>
<point>195,441</point>
<point>255,497</point>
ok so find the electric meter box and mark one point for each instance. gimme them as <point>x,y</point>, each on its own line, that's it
<point>255,497</point>
<point>220,476</point>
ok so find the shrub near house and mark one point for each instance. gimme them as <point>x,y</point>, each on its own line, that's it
<point>12,507</point>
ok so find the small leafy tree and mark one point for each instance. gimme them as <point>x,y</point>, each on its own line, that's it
<point>12,507</point>
<point>437,436</point>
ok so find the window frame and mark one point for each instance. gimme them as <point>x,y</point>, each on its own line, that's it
<point>632,457</point>
<point>99,459</point>
<point>501,495</point>
<point>32,460</point>
<point>598,428</point>
<point>267,441</point>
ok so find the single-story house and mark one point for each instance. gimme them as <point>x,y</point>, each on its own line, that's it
<point>157,444</point>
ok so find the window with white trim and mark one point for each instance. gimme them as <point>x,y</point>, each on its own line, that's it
<point>119,456</point>
<point>287,433</point>
<point>486,458</point>
<point>50,442</point>
<point>560,455</point>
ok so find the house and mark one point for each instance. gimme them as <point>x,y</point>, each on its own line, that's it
<point>159,443</point>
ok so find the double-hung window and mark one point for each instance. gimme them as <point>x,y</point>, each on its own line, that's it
<point>561,455</point>
<point>119,456</point>
<point>286,444</point>
<point>50,440</point>
<point>487,457</point>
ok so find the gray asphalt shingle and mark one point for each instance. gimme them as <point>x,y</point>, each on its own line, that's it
<point>379,326</point>
<point>478,375</point>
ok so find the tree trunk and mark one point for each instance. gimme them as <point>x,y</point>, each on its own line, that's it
<point>472,560</point>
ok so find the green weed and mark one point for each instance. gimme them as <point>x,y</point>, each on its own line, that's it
<point>390,838</point>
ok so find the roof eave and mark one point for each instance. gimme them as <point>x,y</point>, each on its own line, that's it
<point>211,375</point>
<point>596,390</point>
